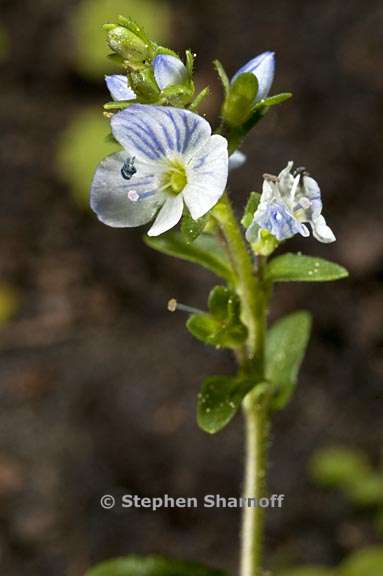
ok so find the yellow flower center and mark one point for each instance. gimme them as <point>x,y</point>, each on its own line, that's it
<point>175,179</point>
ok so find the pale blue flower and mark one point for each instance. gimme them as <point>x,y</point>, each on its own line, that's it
<point>263,67</point>
<point>119,88</point>
<point>170,158</point>
<point>168,70</point>
<point>289,201</point>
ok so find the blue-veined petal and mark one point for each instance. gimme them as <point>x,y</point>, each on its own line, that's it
<point>276,218</point>
<point>118,87</point>
<point>169,215</point>
<point>321,231</point>
<point>263,66</point>
<point>124,203</point>
<point>153,133</point>
<point>236,160</point>
<point>169,70</point>
<point>206,176</point>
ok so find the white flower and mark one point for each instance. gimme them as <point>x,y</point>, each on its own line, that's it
<point>170,158</point>
<point>168,70</point>
<point>263,67</point>
<point>289,201</point>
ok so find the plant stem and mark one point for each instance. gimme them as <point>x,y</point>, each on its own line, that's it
<point>243,265</point>
<point>254,296</point>
<point>256,420</point>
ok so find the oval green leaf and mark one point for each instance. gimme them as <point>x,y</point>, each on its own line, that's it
<point>219,400</point>
<point>285,348</point>
<point>299,268</point>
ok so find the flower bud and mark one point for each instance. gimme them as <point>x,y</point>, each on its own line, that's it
<point>135,49</point>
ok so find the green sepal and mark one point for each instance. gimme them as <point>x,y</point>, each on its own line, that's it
<point>222,76</point>
<point>119,104</point>
<point>189,56</point>
<point>190,228</point>
<point>178,94</point>
<point>205,250</point>
<point>150,566</point>
<point>221,327</point>
<point>239,102</point>
<point>265,244</point>
<point>144,85</point>
<point>199,99</point>
<point>250,209</point>
<point>163,50</point>
<point>299,268</point>
<point>273,100</point>
<point>219,400</point>
<point>286,344</point>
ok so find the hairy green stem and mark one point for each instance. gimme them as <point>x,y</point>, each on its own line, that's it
<point>252,536</point>
<point>243,267</point>
<point>254,296</point>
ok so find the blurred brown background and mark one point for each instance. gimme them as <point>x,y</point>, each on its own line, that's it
<point>98,380</point>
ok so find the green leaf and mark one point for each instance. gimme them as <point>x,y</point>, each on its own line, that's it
<point>368,562</point>
<point>299,268</point>
<point>191,229</point>
<point>224,303</point>
<point>218,333</point>
<point>219,400</point>
<point>150,566</point>
<point>250,209</point>
<point>221,328</point>
<point>205,250</point>
<point>285,348</point>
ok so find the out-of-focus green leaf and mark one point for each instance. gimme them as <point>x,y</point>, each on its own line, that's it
<point>368,562</point>
<point>89,17</point>
<point>367,493</point>
<point>308,571</point>
<point>150,566</point>
<point>299,268</point>
<point>338,467</point>
<point>9,303</point>
<point>205,250</point>
<point>285,348</point>
<point>87,133</point>
<point>219,400</point>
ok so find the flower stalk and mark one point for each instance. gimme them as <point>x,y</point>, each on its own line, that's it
<point>253,293</point>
